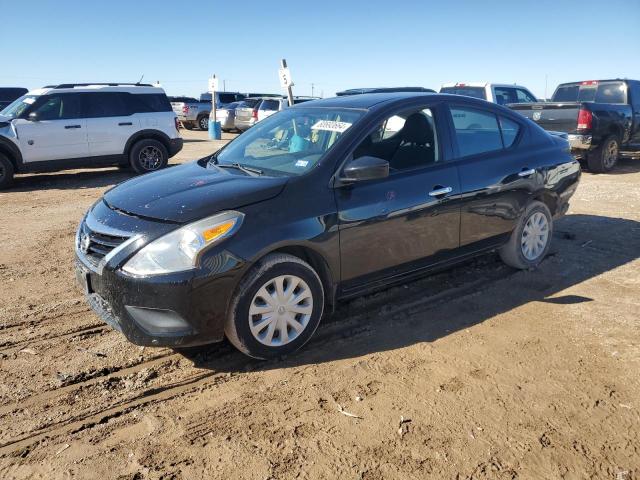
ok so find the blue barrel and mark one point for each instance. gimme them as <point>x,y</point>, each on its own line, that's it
<point>215,130</point>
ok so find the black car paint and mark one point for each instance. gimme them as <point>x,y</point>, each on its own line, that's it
<point>358,237</point>
<point>621,120</point>
<point>9,94</point>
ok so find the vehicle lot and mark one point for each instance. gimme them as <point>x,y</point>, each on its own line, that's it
<point>499,373</point>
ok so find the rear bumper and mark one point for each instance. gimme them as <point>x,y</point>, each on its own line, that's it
<point>175,145</point>
<point>580,142</point>
<point>244,124</point>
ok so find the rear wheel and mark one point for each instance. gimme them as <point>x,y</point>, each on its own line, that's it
<point>530,240</point>
<point>276,308</point>
<point>6,172</point>
<point>604,158</point>
<point>187,125</point>
<point>203,122</point>
<point>148,155</point>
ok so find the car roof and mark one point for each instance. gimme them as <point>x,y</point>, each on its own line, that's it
<point>479,84</point>
<point>364,101</point>
<point>97,87</point>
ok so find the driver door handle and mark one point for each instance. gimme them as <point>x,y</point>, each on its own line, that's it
<point>527,172</point>
<point>440,191</point>
<point>72,126</point>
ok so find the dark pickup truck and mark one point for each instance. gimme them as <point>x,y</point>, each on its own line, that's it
<point>601,118</point>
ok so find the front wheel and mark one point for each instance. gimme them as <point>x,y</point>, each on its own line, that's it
<point>276,308</point>
<point>530,240</point>
<point>148,155</point>
<point>6,172</point>
<point>604,158</point>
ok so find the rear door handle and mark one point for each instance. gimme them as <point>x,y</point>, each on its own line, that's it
<point>122,124</point>
<point>527,172</point>
<point>72,126</point>
<point>440,191</point>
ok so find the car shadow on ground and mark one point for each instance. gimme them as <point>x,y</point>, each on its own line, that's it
<point>72,180</point>
<point>626,165</point>
<point>433,307</point>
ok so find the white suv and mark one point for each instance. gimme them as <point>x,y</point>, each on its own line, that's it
<point>87,125</point>
<point>499,93</point>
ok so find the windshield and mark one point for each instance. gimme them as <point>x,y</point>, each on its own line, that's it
<point>475,92</point>
<point>290,142</point>
<point>15,109</point>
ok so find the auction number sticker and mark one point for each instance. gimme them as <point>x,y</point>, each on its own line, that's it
<point>331,126</point>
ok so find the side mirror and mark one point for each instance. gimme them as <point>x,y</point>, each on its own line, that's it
<point>364,168</point>
<point>33,117</point>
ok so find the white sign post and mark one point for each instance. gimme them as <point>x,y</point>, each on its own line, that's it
<point>213,88</point>
<point>285,80</point>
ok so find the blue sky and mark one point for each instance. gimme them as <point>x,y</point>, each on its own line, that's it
<point>332,44</point>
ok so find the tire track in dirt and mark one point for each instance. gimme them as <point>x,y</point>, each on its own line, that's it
<point>351,326</point>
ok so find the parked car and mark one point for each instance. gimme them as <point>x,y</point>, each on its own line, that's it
<point>87,125</point>
<point>360,91</point>
<point>502,94</point>
<point>9,94</point>
<point>269,106</point>
<point>315,204</point>
<point>195,113</point>
<point>601,118</point>
<point>226,116</point>
<point>246,115</point>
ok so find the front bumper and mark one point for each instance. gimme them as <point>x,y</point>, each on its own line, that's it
<point>175,145</point>
<point>174,310</point>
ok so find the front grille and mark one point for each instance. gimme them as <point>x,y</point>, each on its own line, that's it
<point>96,245</point>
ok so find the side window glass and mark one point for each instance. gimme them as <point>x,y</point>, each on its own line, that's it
<point>523,96</point>
<point>60,107</point>
<point>407,140</point>
<point>476,131</point>
<point>504,95</point>
<point>510,130</point>
<point>112,104</point>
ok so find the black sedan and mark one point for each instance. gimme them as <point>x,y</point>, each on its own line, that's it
<point>320,202</point>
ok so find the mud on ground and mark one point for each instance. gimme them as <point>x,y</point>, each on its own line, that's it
<point>479,372</point>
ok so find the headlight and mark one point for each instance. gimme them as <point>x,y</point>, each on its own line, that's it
<point>179,250</point>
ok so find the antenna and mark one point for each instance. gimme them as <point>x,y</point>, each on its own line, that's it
<point>139,81</point>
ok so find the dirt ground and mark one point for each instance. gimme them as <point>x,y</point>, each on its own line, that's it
<point>479,372</point>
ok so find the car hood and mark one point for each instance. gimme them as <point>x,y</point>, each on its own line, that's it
<point>190,192</point>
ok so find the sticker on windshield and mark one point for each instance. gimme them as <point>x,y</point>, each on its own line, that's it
<point>331,126</point>
<point>302,163</point>
<point>28,100</point>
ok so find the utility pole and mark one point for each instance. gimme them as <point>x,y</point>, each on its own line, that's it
<point>286,80</point>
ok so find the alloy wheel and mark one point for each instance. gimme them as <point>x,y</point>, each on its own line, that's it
<point>204,123</point>
<point>150,158</point>
<point>610,154</point>
<point>280,310</point>
<point>535,236</point>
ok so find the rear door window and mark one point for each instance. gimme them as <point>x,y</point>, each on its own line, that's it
<point>269,105</point>
<point>477,131</point>
<point>106,104</point>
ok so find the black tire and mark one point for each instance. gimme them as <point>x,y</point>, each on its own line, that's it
<point>6,172</point>
<point>604,158</point>
<point>237,327</point>
<point>203,122</point>
<point>187,126</point>
<point>512,253</point>
<point>148,155</point>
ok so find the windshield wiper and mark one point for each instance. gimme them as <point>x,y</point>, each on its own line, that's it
<point>254,172</point>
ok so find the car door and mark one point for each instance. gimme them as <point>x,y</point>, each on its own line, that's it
<point>408,220</point>
<point>110,122</point>
<point>55,131</point>
<point>496,177</point>
<point>634,101</point>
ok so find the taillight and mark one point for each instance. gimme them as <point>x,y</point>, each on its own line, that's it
<point>177,123</point>
<point>254,114</point>
<point>585,119</point>
<point>185,109</point>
